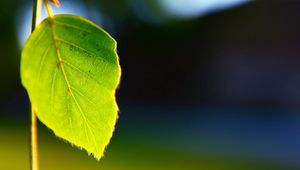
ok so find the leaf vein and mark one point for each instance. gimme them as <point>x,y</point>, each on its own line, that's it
<point>85,73</point>
<point>41,65</point>
<point>77,46</point>
<point>72,26</point>
<point>86,124</point>
<point>86,97</point>
<point>52,87</point>
<point>70,120</point>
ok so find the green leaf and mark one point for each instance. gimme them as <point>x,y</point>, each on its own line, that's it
<point>70,70</point>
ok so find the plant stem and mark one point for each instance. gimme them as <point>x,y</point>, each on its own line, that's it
<point>34,142</point>
<point>34,163</point>
<point>36,13</point>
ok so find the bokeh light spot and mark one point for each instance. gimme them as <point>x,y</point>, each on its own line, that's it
<point>194,8</point>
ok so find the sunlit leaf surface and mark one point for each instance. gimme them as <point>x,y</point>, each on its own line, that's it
<point>70,70</point>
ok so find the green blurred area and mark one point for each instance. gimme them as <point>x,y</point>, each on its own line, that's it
<point>124,153</point>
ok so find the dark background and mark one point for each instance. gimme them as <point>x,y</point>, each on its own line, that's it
<point>218,90</point>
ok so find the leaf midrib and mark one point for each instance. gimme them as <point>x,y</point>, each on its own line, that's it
<point>61,64</point>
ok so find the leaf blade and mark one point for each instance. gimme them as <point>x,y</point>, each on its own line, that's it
<point>78,78</point>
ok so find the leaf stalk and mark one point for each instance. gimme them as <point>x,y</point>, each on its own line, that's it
<point>48,8</point>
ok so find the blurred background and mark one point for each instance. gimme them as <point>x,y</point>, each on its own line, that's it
<point>206,85</point>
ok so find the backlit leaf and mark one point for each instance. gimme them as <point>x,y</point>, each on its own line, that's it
<point>70,70</point>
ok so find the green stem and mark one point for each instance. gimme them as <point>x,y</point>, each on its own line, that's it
<point>34,163</point>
